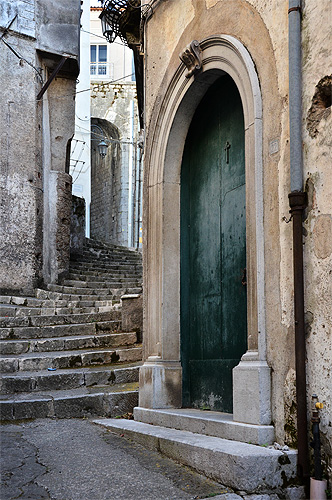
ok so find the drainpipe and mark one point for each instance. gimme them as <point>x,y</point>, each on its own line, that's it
<point>298,203</point>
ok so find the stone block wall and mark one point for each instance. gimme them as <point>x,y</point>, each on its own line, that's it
<point>116,105</point>
<point>103,220</point>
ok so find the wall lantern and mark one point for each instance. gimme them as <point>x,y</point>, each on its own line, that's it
<point>102,148</point>
<point>113,11</point>
<point>103,143</point>
<point>107,30</point>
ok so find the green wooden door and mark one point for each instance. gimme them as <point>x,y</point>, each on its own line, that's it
<point>213,249</point>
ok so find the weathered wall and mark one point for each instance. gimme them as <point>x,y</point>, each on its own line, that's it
<point>317,147</point>
<point>116,103</point>
<point>34,139</point>
<point>58,129</point>
<point>59,26</point>
<point>77,225</point>
<point>21,168</point>
<point>262,27</point>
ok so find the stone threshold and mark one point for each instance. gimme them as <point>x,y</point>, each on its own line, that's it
<point>241,466</point>
<point>209,423</point>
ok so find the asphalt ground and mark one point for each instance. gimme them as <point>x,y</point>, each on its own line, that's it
<point>75,459</point>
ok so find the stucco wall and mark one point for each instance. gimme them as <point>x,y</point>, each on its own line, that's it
<point>21,172</point>
<point>317,146</point>
<point>34,136</point>
<point>59,26</point>
<point>262,27</point>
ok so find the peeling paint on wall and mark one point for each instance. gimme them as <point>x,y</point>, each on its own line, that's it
<point>321,105</point>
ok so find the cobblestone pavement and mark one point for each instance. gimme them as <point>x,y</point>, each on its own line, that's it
<point>77,460</point>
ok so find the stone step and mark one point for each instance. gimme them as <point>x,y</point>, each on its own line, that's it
<point>69,343</point>
<point>59,319</point>
<point>235,464</point>
<point>128,282</point>
<point>79,290</point>
<point>38,303</point>
<point>75,403</point>
<point>104,271</point>
<point>100,292</point>
<point>92,242</point>
<point>114,255</point>
<point>128,270</point>
<point>88,266</point>
<point>65,379</point>
<point>110,259</point>
<point>102,276</point>
<point>68,359</point>
<point>210,423</point>
<point>23,311</point>
<point>72,297</point>
<point>62,353</point>
<point>112,248</point>
<point>37,332</point>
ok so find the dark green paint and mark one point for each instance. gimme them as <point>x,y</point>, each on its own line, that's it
<point>213,251</point>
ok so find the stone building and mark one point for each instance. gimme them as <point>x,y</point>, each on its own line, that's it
<point>110,185</point>
<point>39,67</point>
<point>114,111</point>
<point>231,132</point>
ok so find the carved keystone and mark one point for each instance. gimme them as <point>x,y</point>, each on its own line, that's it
<point>191,57</point>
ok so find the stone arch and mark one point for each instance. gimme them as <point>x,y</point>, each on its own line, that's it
<point>161,372</point>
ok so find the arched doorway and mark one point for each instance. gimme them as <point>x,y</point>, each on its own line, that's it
<point>161,376</point>
<point>213,249</point>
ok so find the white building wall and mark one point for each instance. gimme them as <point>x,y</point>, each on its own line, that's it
<point>80,152</point>
<point>119,68</point>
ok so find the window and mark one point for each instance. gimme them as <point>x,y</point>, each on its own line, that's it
<point>98,60</point>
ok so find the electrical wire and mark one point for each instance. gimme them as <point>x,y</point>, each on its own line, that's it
<point>21,58</point>
<point>82,119</point>
<point>87,90</point>
<point>99,136</point>
<point>83,162</point>
<point>79,91</point>
<point>79,173</point>
<point>99,36</point>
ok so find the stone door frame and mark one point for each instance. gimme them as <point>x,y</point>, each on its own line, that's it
<point>160,375</point>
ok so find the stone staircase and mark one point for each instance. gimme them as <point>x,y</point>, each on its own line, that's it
<point>63,351</point>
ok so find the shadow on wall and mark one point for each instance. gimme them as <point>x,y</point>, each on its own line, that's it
<point>106,199</point>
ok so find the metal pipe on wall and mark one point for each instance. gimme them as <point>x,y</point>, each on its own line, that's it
<point>298,203</point>
<point>295,94</point>
<point>139,197</point>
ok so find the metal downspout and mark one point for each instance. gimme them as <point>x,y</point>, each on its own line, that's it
<point>298,203</point>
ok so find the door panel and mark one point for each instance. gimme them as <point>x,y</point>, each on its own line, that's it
<point>213,299</point>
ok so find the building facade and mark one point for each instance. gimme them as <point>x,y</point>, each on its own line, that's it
<point>217,246</point>
<point>39,54</point>
<point>110,185</point>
